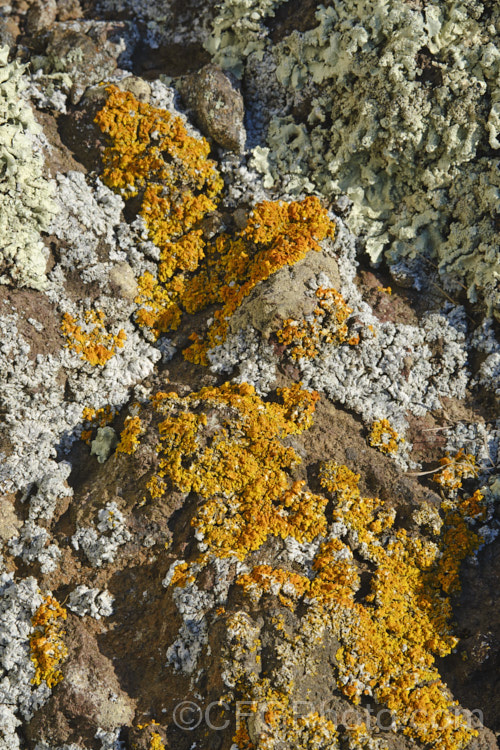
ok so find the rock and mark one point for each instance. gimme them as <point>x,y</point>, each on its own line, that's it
<point>137,86</point>
<point>76,54</point>
<point>218,106</point>
<point>284,295</point>
<point>122,278</point>
<point>10,524</point>
<point>68,10</point>
<point>9,31</point>
<point>41,15</point>
<point>89,698</point>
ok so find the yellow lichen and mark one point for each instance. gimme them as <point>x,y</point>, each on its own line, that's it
<point>277,234</point>
<point>306,338</point>
<point>226,445</point>
<point>278,717</point>
<point>388,649</point>
<point>151,153</point>
<point>156,742</point>
<point>129,437</point>
<point>46,642</point>
<point>384,437</point>
<point>91,340</point>
<point>389,639</point>
<point>286,585</point>
<point>455,468</point>
<point>181,576</point>
<point>242,470</point>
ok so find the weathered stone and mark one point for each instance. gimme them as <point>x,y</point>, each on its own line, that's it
<point>41,15</point>
<point>218,106</point>
<point>68,10</point>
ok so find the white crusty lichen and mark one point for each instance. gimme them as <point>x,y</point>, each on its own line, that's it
<point>88,216</point>
<point>397,369</point>
<point>38,418</point>
<point>26,195</point>
<point>93,602</point>
<point>19,601</point>
<point>49,489</point>
<point>193,604</point>
<point>399,110</point>
<point>254,359</point>
<point>100,548</point>
<point>32,546</point>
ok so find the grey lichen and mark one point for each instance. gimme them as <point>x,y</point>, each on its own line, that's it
<point>26,194</point>
<point>91,601</point>
<point>399,110</point>
<point>31,546</point>
<point>18,603</point>
<point>102,548</point>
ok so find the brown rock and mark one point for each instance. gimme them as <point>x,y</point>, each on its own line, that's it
<point>41,15</point>
<point>284,295</point>
<point>88,698</point>
<point>218,106</point>
<point>80,56</point>
<point>68,10</point>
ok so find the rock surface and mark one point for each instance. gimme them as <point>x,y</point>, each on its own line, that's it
<point>249,487</point>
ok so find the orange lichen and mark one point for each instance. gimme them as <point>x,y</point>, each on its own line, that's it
<point>151,153</point>
<point>91,340</point>
<point>160,309</point>
<point>389,639</point>
<point>156,742</point>
<point>328,326</point>
<point>226,445</point>
<point>181,575</point>
<point>457,535</point>
<point>455,468</point>
<point>129,437</point>
<point>473,506</point>
<point>241,738</point>
<point>384,437</point>
<point>388,645</point>
<point>278,717</point>
<point>285,584</point>
<point>242,470</point>
<point>277,234</point>
<point>47,646</point>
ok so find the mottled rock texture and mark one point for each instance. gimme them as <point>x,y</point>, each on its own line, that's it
<point>249,363</point>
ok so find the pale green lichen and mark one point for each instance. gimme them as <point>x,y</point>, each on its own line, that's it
<point>238,31</point>
<point>104,444</point>
<point>400,111</point>
<point>25,194</point>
